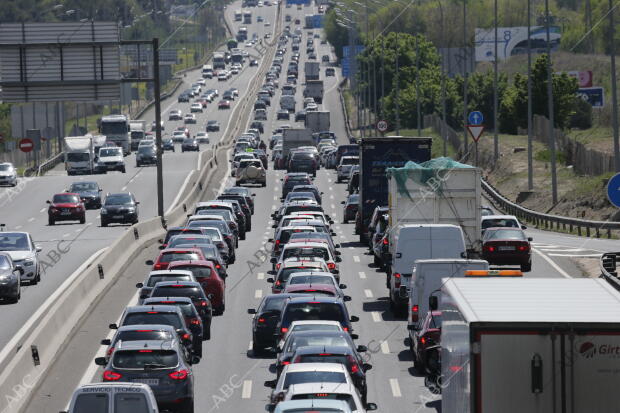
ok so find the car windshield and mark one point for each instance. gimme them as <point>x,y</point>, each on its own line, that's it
<point>6,168</point>
<point>189,240</point>
<point>317,339</point>
<point>13,242</point>
<point>83,186</point>
<point>435,321</point>
<point>511,234</point>
<point>313,311</point>
<point>118,200</point>
<point>324,358</point>
<point>153,317</point>
<point>65,199</point>
<point>299,195</point>
<point>306,252</point>
<point>141,359</point>
<point>146,150</point>
<point>301,377</point>
<point>143,334</point>
<point>176,291</point>
<point>312,279</point>
<point>210,232</point>
<point>178,256</point>
<point>499,222</point>
<point>110,152</point>
<point>78,157</point>
<point>157,278</point>
<point>353,199</point>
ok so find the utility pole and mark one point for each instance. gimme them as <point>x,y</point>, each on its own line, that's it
<point>554,178</point>
<point>443,85</point>
<point>465,74</point>
<point>417,85</point>
<point>614,92</point>
<point>396,102</point>
<point>495,105</point>
<point>158,140</point>
<point>382,73</point>
<point>530,168</point>
<point>588,22</point>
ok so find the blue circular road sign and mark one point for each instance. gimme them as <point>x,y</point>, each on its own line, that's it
<point>613,190</point>
<point>475,118</point>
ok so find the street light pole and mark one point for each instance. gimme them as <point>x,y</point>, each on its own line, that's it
<point>554,179</point>
<point>465,74</point>
<point>495,94</point>
<point>530,166</point>
<point>396,103</point>
<point>417,85</point>
<point>614,94</point>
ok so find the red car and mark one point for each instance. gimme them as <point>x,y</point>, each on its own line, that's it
<point>169,255</point>
<point>429,335</point>
<point>206,274</point>
<point>66,207</point>
<point>224,104</point>
<point>507,246</point>
<point>184,130</point>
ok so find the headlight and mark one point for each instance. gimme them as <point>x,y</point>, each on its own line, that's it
<point>104,211</point>
<point>4,278</point>
<point>28,262</point>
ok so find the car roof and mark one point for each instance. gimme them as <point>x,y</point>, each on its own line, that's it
<point>317,298</point>
<point>324,349</point>
<point>157,307</point>
<point>291,264</point>
<point>321,387</point>
<point>146,344</point>
<point>162,272</point>
<point>171,298</point>
<point>311,322</point>
<point>499,217</point>
<point>323,287</point>
<point>198,263</point>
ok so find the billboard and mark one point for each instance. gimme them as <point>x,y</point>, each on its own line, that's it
<point>513,41</point>
<point>595,96</point>
<point>346,58</point>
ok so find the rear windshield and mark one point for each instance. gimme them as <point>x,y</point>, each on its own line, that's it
<point>274,303</point>
<point>172,291</point>
<point>313,311</point>
<point>505,234</point>
<point>178,256</point>
<point>303,156</point>
<point>154,317</point>
<point>186,308</point>
<point>130,403</point>
<point>302,377</point>
<point>316,327</point>
<point>323,358</point>
<point>93,403</point>
<point>198,271</point>
<point>144,334</point>
<point>171,233</point>
<point>299,208</point>
<point>285,274</point>
<point>221,225</point>
<point>285,235</point>
<point>145,359</point>
<point>183,240</point>
<point>306,252</point>
<point>312,279</point>
<point>350,161</point>
<point>327,396</point>
<point>156,278</point>
<point>499,222</point>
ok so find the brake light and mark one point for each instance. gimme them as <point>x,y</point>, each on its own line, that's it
<point>111,375</point>
<point>385,241</point>
<point>178,375</point>
<point>415,313</point>
<point>185,336</point>
<point>145,351</point>
<point>195,321</point>
<point>345,328</point>
<point>218,266</point>
<point>278,266</point>
<point>144,331</point>
<point>158,266</point>
<point>203,303</point>
<point>278,283</point>
<point>331,266</point>
<point>490,248</point>
<point>423,340</point>
<point>283,330</point>
<point>523,247</point>
<point>261,320</point>
<point>166,302</point>
<point>277,243</point>
<point>397,280</point>
<point>110,351</point>
<point>152,312</point>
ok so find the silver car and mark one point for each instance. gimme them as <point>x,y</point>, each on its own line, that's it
<point>8,174</point>
<point>24,253</point>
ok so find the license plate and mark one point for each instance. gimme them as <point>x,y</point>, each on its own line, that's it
<point>506,248</point>
<point>65,213</point>
<point>117,217</point>
<point>150,382</point>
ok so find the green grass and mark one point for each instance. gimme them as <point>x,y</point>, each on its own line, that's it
<point>438,142</point>
<point>593,134</point>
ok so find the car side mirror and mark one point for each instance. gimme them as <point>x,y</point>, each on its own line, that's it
<point>338,259</point>
<point>101,361</point>
<point>270,239</point>
<point>99,190</point>
<point>342,203</point>
<point>371,406</point>
<point>366,366</point>
<point>270,383</point>
<point>270,280</point>
<point>210,296</point>
<point>38,248</point>
<point>161,241</point>
<point>346,298</point>
<point>113,326</point>
<point>106,342</point>
<point>139,285</point>
<point>338,253</point>
<point>523,227</point>
<point>274,260</point>
<point>251,311</point>
<point>337,246</point>
<point>162,247</point>
<point>433,303</point>
<point>148,262</point>
<point>48,202</point>
<point>354,336</point>
<point>354,319</point>
<point>194,359</point>
<point>333,234</point>
<point>530,239</point>
<point>19,269</point>
<point>362,349</point>
<point>253,194</point>
<point>331,221</point>
<point>412,327</point>
<point>322,193</point>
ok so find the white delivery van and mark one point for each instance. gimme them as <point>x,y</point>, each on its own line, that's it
<point>411,242</point>
<point>113,398</point>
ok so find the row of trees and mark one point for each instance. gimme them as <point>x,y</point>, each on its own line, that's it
<point>420,73</point>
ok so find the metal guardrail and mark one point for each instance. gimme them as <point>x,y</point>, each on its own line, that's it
<point>609,268</point>
<point>548,221</point>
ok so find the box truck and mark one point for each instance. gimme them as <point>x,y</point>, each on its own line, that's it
<point>536,345</point>
<point>317,121</point>
<point>376,154</point>
<point>440,191</point>
<point>116,130</point>
<point>314,89</point>
<point>312,70</point>
<point>294,138</point>
<point>80,154</point>
<point>137,130</point>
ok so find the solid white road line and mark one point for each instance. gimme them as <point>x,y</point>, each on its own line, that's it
<point>376,317</point>
<point>333,206</point>
<point>395,388</point>
<point>258,294</point>
<point>368,293</point>
<point>362,275</point>
<point>246,392</point>
<point>575,255</point>
<point>356,258</point>
<point>385,348</point>
<point>553,264</point>
<point>562,250</point>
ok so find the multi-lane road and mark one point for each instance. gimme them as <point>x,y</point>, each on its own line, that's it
<point>230,377</point>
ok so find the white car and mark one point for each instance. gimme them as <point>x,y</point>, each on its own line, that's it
<point>234,69</point>
<point>202,137</point>
<point>24,253</point>
<point>222,76</point>
<point>201,82</point>
<point>189,118</point>
<point>175,114</point>
<point>509,221</point>
<point>346,163</point>
<point>325,390</point>
<point>195,107</point>
<point>310,325</point>
<point>112,158</point>
<point>312,107</point>
<point>113,397</point>
<point>146,142</point>
<point>249,44</point>
<point>305,373</point>
<point>178,136</point>
<point>8,174</point>
<point>267,24</point>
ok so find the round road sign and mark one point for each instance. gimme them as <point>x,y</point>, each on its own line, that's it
<point>26,145</point>
<point>382,126</point>
<point>613,190</point>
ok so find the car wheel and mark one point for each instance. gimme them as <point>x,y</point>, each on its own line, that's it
<point>188,406</point>
<point>242,236</point>
<point>123,170</point>
<point>257,349</point>
<point>104,223</point>
<point>51,221</point>
<point>376,260</point>
<point>526,267</point>
<point>207,333</point>
<point>345,221</point>
<point>264,184</point>
<point>83,219</point>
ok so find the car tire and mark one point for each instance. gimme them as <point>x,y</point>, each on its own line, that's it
<point>257,349</point>
<point>264,184</point>
<point>50,221</point>
<point>188,406</point>
<point>526,267</point>
<point>104,223</point>
<point>376,260</point>
<point>345,221</point>
<point>207,333</point>
<point>242,236</point>
<point>83,219</point>
<point>36,279</point>
<point>123,169</point>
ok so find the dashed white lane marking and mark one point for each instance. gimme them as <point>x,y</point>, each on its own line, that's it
<point>260,275</point>
<point>30,219</point>
<point>356,258</point>
<point>18,227</point>
<point>42,209</point>
<point>275,198</point>
<point>65,235</point>
<point>333,206</point>
<point>553,264</point>
<point>258,294</point>
<point>395,388</point>
<point>376,317</point>
<point>562,250</point>
<point>338,227</point>
<point>368,293</point>
<point>251,345</point>
<point>385,348</point>
<point>362,275</point>
<point>246,392</point>
<point>575,255</point>
<point>331,196</point>
<point>329,180</point>
<point>124,188</point>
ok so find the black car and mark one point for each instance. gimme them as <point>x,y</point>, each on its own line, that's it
<point>10,278</point>
<point>184,97</point>
<point>213,126</point>
<point>89,193</point>
<point>257,124</point>
<point>245,207</point>
<point>293,179</point>
<point>283,114</point>
<point>168,144</point>
<point>119,208</point>
<point>309,188</point>
<point>228,95</point>
<point>253,62</point>
<point>243,191</point>
<point>303,162</point>
<point>265,321</point>
<point>260,104</point>
<point>190,144</point>
<point>300,116</point>
<point>351,205</point>
<point>146,155</point>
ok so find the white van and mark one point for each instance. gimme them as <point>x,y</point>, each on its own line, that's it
<point>411,242</point>
<point>207,72</point>
<point>113,398</point>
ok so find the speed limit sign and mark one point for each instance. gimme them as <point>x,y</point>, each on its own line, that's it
<point>382,126</point>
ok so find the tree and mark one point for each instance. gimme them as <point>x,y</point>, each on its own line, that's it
<point>337,35</point>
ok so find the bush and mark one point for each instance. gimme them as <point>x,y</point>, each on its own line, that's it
<point>582,118</point>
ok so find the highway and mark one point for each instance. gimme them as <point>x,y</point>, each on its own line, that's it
<point>230,377</point>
